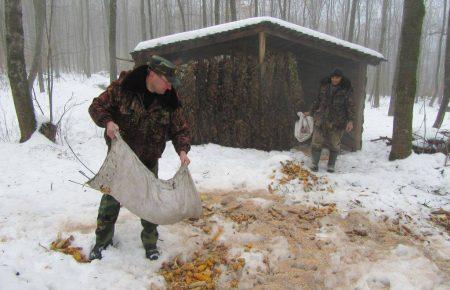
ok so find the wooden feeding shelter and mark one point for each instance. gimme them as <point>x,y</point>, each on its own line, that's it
<point>243,82</point>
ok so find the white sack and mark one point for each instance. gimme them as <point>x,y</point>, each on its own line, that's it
<point>303,127</point>
<point>128,180</point>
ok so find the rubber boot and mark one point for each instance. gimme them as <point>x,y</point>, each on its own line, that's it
<point>332,161</point>
<point>315,157</point>
<point>152,254</point>
<point>96,252</point>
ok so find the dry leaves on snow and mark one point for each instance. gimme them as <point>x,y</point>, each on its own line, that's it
<point>64,246</point>
<point>295,171</point>
<point>204,268</point>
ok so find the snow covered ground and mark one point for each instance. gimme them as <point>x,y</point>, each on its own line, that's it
<point>37,201</point>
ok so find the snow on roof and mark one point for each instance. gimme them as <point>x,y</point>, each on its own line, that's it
<point>194,34</point>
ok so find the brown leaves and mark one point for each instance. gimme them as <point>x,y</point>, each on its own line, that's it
<point>295,171</point>
<point>313,213</point>
<point>442,218</point>
<point>105,189</point>
<point>64,246</point>
<point>203,269</point>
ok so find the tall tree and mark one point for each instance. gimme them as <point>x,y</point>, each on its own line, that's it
<point>86,40</point>
<point>346,14</point>
<point>439,55</point>
<point>368,20</point>
<point>112,40</point>
<point>413,14</point>
<point>282,8</point>
<point>205,22</point>
<point>149,4</point>
<point>167,19</point>
<point>446,97</point>
<point>216,12</point>
<point>376,97</point>
<point>123,32</point>
<point>16,69</point>
<point>256,8</point>
<point>2,38</point>
<point>183,21</point>
<point>39,20</point>
<point>143,26</point>
<point>233,10</point>
<point>351,29</point>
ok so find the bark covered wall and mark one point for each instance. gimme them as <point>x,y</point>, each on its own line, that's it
<point>233,101</point>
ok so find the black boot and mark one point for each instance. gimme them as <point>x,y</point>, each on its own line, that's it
<point>152,254</point>
<point>96,252</point>
<point>332,161</point>
<point>315,158</point>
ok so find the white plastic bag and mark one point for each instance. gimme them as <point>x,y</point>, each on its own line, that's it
<point>128,180</point>
<point>303,127</point>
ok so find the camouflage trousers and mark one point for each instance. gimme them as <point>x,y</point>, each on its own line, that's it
<point>330,139</point>
<point>107,217</point>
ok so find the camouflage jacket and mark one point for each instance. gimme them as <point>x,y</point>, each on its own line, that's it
<point>334,107</point>
<point>146,130</point>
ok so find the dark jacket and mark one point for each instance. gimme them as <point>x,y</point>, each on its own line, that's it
<point>334,106</point>
<point>145,130</point>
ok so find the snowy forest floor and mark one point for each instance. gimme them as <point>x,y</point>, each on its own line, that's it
<point>268,222</point>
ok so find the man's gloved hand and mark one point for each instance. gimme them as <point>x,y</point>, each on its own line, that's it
<point>184,158</point>
<point>111,129</point>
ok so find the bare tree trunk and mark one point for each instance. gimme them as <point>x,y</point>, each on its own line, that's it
<point>256,8</point>
<point>438,57</point>
<point>376,102</point>
<point>183,21</point>
<point>17,73</point>
<point>87,59</point>
<point>359,24</point>
<point>167,19</point>
<point>445,99</point>
<point>125,42</point>
<point>329,17</point>
<point>39,20</point>
<point>150,19</point>
<point>217,12</point>
<point>112,41</point>
<point>413,14</point>
<point>282,8</point>
<point>233,10</point>
<point>351,29</point>
<point>143,26</point>
<point>205,22</point>
<point>391,110</point>
<point>347,12</point>
<point>49,129</point>
<point>227,10</point>
<point>2,38</point>
<point>367,25</point>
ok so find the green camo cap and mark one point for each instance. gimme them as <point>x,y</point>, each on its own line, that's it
<point>164,67</point>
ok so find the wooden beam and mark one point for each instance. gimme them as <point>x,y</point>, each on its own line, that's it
<point>262,46</point>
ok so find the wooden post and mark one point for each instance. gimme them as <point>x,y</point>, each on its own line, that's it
<point>262,46</point>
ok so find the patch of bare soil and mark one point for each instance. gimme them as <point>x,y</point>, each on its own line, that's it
<point>300,247</point>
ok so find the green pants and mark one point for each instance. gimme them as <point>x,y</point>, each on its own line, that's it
<point>107,217</point>
<point>330,139</point>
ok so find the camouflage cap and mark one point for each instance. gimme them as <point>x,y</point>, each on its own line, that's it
<point>164,67</point>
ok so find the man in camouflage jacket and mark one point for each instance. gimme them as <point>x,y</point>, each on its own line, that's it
<point>144,107</point>
<point>333,112</point>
